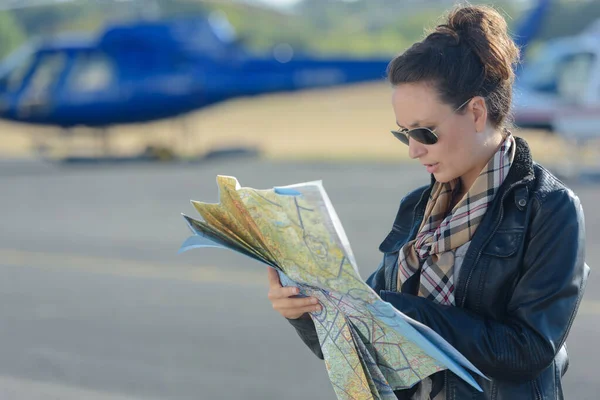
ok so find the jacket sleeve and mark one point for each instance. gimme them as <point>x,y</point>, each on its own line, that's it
<point>377,279</point>
<point>541,309</point>
<point>305,328</point>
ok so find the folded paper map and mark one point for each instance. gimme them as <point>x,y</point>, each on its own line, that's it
<point>370,348</point>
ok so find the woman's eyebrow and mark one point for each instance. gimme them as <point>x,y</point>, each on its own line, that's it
<point>413,125</point>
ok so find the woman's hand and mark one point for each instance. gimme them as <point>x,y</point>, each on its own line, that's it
<point>284,300</point>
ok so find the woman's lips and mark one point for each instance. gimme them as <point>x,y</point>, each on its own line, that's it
<point>432,168</point>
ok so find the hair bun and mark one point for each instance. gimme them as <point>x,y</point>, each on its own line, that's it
<point>448,31</point>
<point>469,54</point>
<point>464,19</point>
<point>486,32</point>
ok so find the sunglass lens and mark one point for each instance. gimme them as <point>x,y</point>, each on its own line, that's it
<point>401,136</point>
<point>423,135</point>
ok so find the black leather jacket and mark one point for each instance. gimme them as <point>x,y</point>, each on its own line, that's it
<point>518,291</point>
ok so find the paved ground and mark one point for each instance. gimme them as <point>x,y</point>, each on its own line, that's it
<point>95,303</point>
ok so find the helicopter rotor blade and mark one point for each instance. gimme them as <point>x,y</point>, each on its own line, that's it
<point>16,4</point>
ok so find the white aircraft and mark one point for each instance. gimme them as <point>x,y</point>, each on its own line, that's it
<point>559,90</point>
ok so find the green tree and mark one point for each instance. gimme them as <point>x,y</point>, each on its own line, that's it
<point>11,33</point>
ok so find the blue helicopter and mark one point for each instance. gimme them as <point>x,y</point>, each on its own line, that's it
<point>149,70</point>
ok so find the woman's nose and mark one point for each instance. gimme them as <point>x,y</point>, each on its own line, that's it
<point>416,149</point>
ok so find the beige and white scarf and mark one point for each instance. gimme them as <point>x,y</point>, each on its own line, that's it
<point>443,232</point>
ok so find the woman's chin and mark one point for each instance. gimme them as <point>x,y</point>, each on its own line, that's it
<point>441,177</point>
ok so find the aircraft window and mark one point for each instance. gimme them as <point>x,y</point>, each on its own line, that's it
<point>540,76</point>
<point>221,26</point>
<point>46,73</point>
<point>16,76</point>
<point>574,75</point>
<point>14,69</point>
<point>542,70</point>
<point>91,72</point>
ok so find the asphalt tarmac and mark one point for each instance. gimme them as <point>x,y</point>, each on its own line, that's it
<point>95,303</point>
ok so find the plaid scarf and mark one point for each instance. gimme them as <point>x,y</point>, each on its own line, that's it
<point>441,233</point>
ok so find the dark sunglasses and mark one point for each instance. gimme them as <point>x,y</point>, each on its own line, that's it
<point>422,135</point>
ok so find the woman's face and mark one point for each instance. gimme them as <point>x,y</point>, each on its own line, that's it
<point>460,150</point>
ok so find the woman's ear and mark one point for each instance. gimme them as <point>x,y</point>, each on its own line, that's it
<point>479,109</point>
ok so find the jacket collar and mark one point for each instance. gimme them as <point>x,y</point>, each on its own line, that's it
<point>522,167</point>
<point>521,172</point>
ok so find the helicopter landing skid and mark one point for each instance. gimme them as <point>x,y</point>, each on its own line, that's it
<point>101,151</point>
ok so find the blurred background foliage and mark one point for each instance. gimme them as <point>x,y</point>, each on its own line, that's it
<point>359,27</point>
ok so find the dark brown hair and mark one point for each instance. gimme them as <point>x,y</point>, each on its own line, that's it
<point>469,55</point>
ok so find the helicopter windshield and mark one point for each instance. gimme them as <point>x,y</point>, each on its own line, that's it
<point>553,70</point>
<point>221,27</point>
<point>546,70</point>
<point>574,76</point>
<point>541,73</point>
<point>14,68</point>
<point>46,74</point>
<point>92,72</point>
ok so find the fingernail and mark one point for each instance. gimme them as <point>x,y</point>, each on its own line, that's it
<point>318,308</point>
<point>314,301</point>
<point>296,290</point>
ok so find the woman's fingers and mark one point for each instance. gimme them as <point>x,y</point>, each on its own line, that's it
<point>273,278</point>
<point>282,293</point>
<point>297,313</point>
<point>297,307</point>
<point>284,300</point>
<point>286,304</point>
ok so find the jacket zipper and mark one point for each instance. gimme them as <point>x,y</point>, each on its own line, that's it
<point>496,226</point>
<point>446,391</point>
<point>393,286</point>
<point>538,394</point>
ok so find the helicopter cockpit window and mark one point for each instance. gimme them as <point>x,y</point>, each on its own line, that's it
<point>46,74</point>
<point>559,69</point>
<point>14,69</point>
<point>540,76</point>
<point>574,76</point>
<point>14,79</point>
<point>91,72</point>
<point>542,70</point>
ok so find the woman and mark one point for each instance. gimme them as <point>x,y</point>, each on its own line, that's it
<point>490,255</point>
